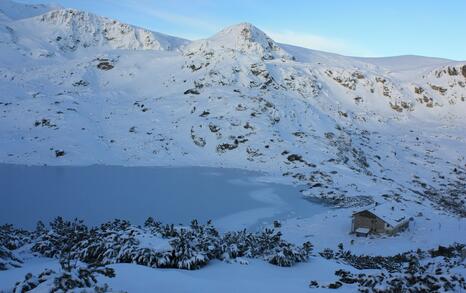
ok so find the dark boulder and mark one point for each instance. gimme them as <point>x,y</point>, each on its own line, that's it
<point>192,92</point>
<point>59,153</point>
<point>105,65</point>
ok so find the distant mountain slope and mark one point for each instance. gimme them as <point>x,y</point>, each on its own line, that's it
<point>406,62</point>
<point>13,10</point>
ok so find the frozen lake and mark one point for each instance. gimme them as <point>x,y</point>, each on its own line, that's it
<point>232,198</point>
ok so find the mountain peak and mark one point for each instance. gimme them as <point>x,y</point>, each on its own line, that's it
<point>245,38</point>
<point>245,31</point>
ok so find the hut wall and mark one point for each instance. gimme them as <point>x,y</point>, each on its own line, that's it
<point>401,227</point>
<point>365,220</point>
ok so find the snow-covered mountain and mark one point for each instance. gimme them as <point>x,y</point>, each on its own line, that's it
<point>82,89</point>
<point>60,31</point>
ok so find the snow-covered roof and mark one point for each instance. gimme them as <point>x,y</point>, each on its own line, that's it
<point>391,214</point>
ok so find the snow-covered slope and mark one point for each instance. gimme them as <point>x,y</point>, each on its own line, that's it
<point>11,10</point>
<point>349,129</point>
<point>406,62</point>
<point>110,93</point>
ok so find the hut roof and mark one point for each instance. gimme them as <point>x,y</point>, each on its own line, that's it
<point>390,214</point>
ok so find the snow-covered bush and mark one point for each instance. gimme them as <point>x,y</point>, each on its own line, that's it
<point>8,259</point>
<point>12,238</point>
<point>117,242</point>
<point>390,263</point>
<point>287,254</point>
<point>81,278</point>
<point>193,247</point>
<point>185,255</point>
<point>156,245</point>
<point>415,278</point>
<point>413,271</point>
<point>30,281</point>
<point>74,279</point>
<point>237,244</point>
<point>267,245</point>
<point>327,253</point>
<point>62,238</point>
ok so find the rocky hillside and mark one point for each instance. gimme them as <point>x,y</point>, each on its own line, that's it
<point>82,89</point>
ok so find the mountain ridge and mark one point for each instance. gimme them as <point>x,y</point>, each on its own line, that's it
<point>41,9</point>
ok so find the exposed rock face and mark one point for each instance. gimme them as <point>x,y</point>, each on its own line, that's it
<point>463,70</point>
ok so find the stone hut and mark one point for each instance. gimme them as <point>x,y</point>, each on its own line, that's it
<point>382,218</point>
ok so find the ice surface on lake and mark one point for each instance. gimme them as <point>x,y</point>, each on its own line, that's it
<point>233,198</point>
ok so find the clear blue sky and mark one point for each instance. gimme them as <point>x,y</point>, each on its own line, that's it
<point>358,27</point>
